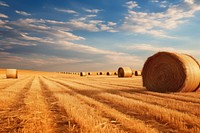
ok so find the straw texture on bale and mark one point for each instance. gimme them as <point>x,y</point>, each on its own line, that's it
<point>108,73</point>
<point>82,74</point>
<point>171,72</point>
<point>11,73</point>
<point>138,73</point>
<point>125,72</point>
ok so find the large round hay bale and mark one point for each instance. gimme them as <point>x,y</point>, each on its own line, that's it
<point>138,73</point>
<point>82,74</point>
<point>108,73</point>
<point>11,73</point>
<point>171,72</point>
<point>89,73</point>
<point>124,72</point>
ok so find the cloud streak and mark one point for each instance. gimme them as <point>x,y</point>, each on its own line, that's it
<point>22,13</point>
<point>66,11</point>
<point>157,24</point>
<point>4,4</point>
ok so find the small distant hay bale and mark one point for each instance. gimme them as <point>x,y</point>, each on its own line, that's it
<point>138,73</point>
<point>97,73</point>
<point>101,73</point>
<point>108,73</point>
<point>83,74</point>
<point>125,72</point>
<point>115,73</point>
<point>90,73</point>
<point>11,73</point>
<point>171,72</point>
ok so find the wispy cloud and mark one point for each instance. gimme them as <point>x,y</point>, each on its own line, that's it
<point>131,4</point>
<point>66,11</point>
<point>153,48</point>
<point>158,23</point>
<point>92,10</point>
<point>3,4</point>
<point>22,13</point>
<point>3,15</point>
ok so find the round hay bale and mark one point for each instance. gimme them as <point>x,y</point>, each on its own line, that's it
<point>82,74</point>
<point>124,72</point>
<point>171,72</point>
<point>101,73</point>
<point>11,73</point>
<point>138,73</point>
<point>115,73</point>
<point>90,73</point>
<point>108,73</point>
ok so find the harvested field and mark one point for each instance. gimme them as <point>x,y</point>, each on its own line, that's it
<point>52,102</point>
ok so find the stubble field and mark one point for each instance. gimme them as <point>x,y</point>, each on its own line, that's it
<point>51,102</point>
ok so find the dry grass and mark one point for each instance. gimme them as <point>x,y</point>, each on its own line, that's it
<point>53,102</point>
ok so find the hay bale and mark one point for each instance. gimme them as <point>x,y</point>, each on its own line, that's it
<point>138,73</point>
<point>101,73</point>
<point>171,72</point>
<point>90,73</point>
<point>108,73</point>
<point>115,73</point>
<point>83,74</point>
<point>11,73</point>
<point>124,72</point>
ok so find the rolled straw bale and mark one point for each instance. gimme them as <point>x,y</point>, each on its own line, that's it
<point>108,73</point>
<point>11,73</point>
<point>138,73</point>
<point>90,73</point>
<point>82,74</point>
<point>101,73</point>
<point>124,72</point>
<point>115,73</point>
<point>171,72</point>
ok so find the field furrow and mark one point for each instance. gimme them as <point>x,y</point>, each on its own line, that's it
<point>11,115</point>
<point>175,118</point>
<point>128,123</point>
<point>62,121</point>
<point>83,113</point>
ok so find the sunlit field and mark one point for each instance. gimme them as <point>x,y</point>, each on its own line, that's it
<point>54,102</point>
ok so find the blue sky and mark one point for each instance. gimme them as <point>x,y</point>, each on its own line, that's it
<point>92,35</point>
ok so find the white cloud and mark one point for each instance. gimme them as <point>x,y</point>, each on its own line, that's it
<point>22,13</point>
<point>131,4</point>
<point>34,60</point>
<point>66,11</point>
<point>152,48</point>
<point>155,1</point>
<point>92,10</point>
<point>3,15</point>
<point>3,24</point>
<point>111,24</point>
<point>3,4</point>
<point>158,23</point>
<point>189,1</point>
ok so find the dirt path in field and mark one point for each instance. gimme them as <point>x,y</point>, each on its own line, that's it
<point>110,100</point>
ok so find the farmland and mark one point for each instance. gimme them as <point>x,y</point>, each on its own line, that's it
<point>52,102</point>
